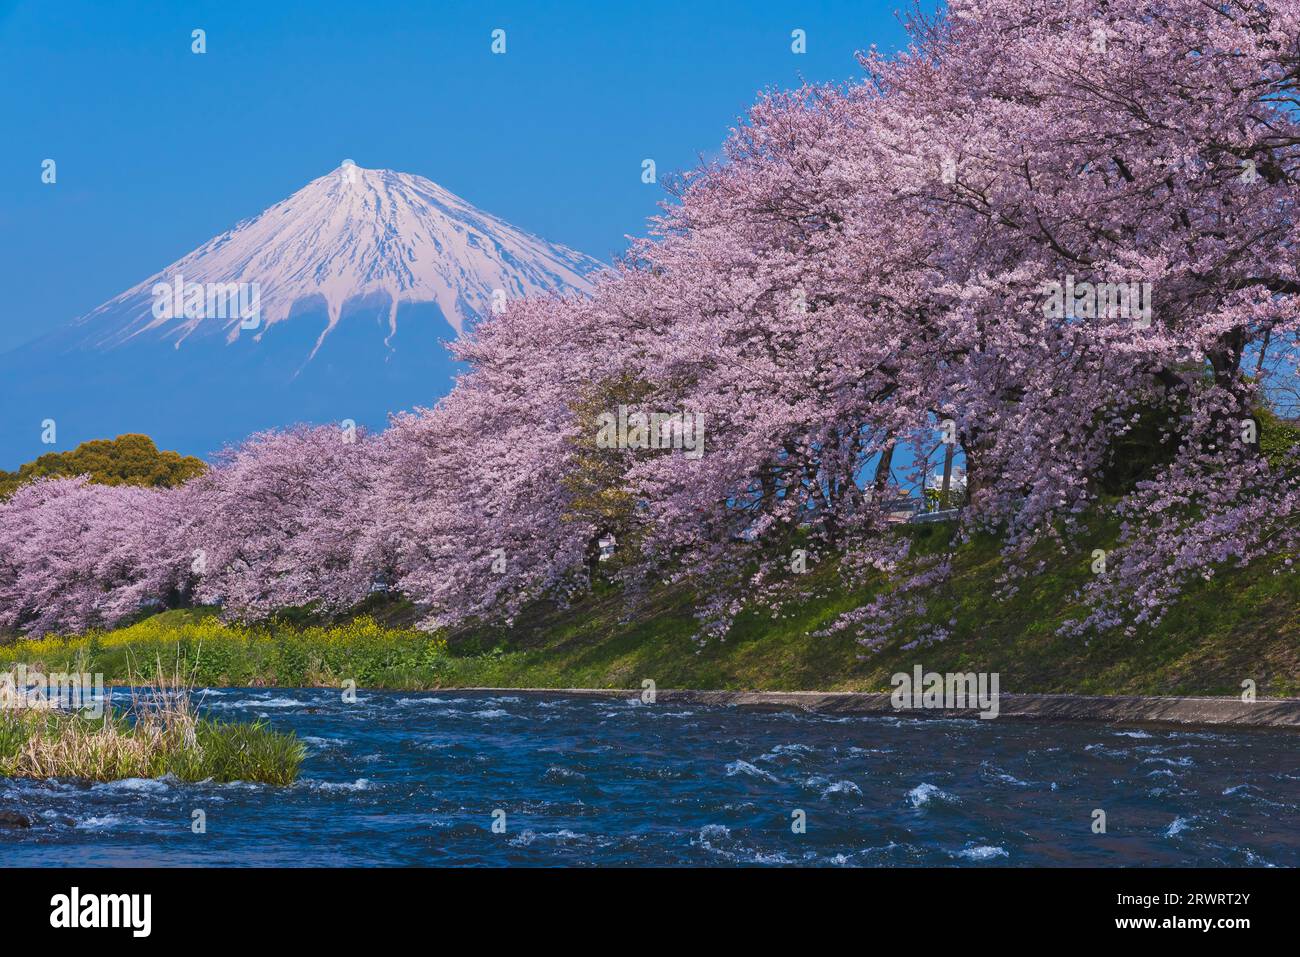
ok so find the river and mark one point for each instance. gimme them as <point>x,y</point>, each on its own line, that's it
<point>402,778</point>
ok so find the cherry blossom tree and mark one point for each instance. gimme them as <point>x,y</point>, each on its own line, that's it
<point>281,521</point>
<point>76,555</point>
<point>1113,143</point>
<point>474,507</point>
<point>1048,234</point>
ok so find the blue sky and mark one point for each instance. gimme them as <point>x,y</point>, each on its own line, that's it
<point>159,149</point>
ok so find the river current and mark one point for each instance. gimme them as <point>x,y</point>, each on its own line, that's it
<point>402,778</point>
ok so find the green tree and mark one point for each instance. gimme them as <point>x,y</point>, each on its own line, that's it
<point>126,460</point>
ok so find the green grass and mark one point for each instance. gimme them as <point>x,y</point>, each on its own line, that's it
<point>43,744</point>
<point>1241,625</point>
<point>211,653</point>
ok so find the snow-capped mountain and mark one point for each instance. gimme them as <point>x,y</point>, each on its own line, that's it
<point>351,236</point>
<point>333,304</point>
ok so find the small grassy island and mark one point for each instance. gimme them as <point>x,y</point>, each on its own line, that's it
<point>161,734</point>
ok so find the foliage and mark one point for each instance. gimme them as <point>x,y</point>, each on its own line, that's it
<point>126,460</point>
<point>217,654</point>
<point>868,267</point>
<point>76,554</point>
<point>1241,625</point>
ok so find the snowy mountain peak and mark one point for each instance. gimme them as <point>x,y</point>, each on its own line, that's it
<point>353,236</point>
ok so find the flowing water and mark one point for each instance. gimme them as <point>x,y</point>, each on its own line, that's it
<point>402,778</point>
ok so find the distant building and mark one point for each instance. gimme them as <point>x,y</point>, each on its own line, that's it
<point>607,543</point>
<point>957,483</point>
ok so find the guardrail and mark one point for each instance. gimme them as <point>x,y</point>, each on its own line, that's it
<point>943,515</point>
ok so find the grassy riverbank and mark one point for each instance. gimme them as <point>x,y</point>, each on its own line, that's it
<point>1244,624</point>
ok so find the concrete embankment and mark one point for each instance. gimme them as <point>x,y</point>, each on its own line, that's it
<point>1262,713</point>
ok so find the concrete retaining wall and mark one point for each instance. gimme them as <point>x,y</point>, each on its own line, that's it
<point>1263,713</point>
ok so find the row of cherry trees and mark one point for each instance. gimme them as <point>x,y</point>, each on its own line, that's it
<point>868,269</point>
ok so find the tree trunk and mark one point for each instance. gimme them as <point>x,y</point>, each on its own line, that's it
<point>884,467</point>
<point>948,453</point>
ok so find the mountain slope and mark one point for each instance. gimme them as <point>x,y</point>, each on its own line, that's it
<point>353,234</point>
<point>350,287</point>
